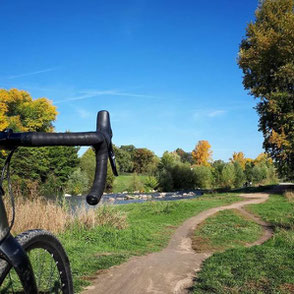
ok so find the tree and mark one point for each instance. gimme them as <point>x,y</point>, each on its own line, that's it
<point>21,113</point>
<point>185,156</point>
<point>77,183</point>
<point>202,155</point>
<point>240,158</point>
<point>124,160</point>
<point>203,176</point>
<point>88,166</point>
<point>217,168</point>
<point>266,58</point>
<point>228,176</point>
<point>239,175</point>
<point>142,160</point>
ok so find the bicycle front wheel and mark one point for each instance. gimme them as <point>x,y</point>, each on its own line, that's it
<point>49,262</point>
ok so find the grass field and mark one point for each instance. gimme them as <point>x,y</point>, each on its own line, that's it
<point>226,229</point>
<point>268,268</point>
<point>123,182</point>
<point>149,227</point>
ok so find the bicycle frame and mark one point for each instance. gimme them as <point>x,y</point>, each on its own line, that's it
<point>14,254</point>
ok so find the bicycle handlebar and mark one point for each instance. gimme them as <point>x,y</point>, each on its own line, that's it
<point>100,140</point>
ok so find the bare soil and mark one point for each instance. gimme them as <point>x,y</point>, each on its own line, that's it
<point>171,270</point>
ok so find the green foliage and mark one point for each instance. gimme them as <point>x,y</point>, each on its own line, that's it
<point>136,185</point>
<point>78,183</point>
<point>123,159</point>
<point>151,183</point>
<point>186,157</point>
<point>88,166</point>
<point>168,160</point>
<point>239,175</point>
<point>143,160</point>
<point>203,176</point>
<point>217,168</point>
<point>46,167</point>
<point>266,58</point>
<point>228,176</point>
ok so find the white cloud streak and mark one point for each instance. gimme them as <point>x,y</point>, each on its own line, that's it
<point>91,94</point>
<point>209,113</point>
<point>32,73</point>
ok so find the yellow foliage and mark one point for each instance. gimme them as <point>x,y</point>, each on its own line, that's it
<point>240,158</point>
<point>263,157</point>
<point>202,154</point>
<point>20,112</point>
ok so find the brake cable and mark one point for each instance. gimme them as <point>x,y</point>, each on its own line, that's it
<point>6,169</point>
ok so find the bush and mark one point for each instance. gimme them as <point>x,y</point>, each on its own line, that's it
<point>228,176</point>
<point>136,184</point>
<point>77,183</point>
<point>151,183</point>
<point>203,176</point>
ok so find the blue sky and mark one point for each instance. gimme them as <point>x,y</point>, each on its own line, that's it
<point>166,70</point>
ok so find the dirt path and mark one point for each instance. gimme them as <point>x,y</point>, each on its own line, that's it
<point>171,270</point>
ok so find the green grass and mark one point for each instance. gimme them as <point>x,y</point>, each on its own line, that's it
<point>150,226</point>
<point>122,182</point>
<point>226,229</point>
<point>268,268</point>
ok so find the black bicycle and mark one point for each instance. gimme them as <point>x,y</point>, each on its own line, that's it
<point>35,261</point>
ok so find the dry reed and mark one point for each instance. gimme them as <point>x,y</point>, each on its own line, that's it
<point>103,216</point>
<point>289,195</point>
<point>43,214</point>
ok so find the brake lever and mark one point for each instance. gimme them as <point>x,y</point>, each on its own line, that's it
<point>111,157</point>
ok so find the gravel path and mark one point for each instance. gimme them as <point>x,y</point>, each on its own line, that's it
<point>171,270</point>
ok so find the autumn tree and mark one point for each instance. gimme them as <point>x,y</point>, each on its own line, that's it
<point>266,58</point>
<point>21,113</point>
<point>46,168</point>
<point>143,160</point>
<point>202,155</point>
<point>240,158</point>
<point>185,156</point>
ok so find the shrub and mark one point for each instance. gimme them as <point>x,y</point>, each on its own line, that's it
<point>151,183</point>
<point>77,183</point>
<point>135,184</point>
<point>202,176</point>
<point>228,176</point>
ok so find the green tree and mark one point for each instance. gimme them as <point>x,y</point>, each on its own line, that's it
<point>239,179</point>
<point>266,58</point>
<point>217,168</point>
<point>185,156</point>
<point>77,183</point>
<point>88,166</point>
<point>143,157</point>
<point>124,160</point>
<point>203,176</point>
<point>228,176</point>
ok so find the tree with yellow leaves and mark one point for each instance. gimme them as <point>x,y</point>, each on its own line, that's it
<point>266,58</point>
<point>21,113</point>
<point>202,155</point>
<point>240,158</point>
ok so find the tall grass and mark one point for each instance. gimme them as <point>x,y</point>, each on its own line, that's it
<point>289,195</point>
<point>40,213</point>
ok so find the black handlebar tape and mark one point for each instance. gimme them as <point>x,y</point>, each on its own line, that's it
<point>97,189</point>
<point>53,139</point>
<point>103,126</point>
